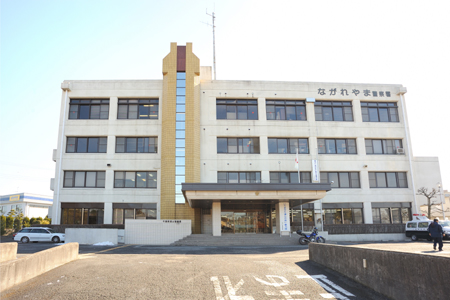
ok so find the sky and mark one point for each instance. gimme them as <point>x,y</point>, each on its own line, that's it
<point>44,42</point>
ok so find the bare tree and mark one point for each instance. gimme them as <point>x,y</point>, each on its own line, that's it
<point>424,192</point>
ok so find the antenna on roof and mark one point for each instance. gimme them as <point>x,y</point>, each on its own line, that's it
<point>214,40</point>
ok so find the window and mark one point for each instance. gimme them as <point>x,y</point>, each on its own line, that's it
<point>83,215</point>
<point>392,215</point>
<point>341,179</point>
<point>136,144</point>
<point>285,110</point>
<point>388,180</point>
<point>138,109</point>
<point>337,146</point>
<point>379,112</point>
<point>180,137</point>
<point>238,145</point>
<point>84,179</point>
<point>343,216</point>
<point>86,145</point>
<point>123,211</point>
<point>238,177</point>
<point>144,179</point>
<point>333,111</point>
<point>236,109</point>
<point>382,146</point>
<point>289,177</point>
<point>89,109</point>
<point>280,145</point>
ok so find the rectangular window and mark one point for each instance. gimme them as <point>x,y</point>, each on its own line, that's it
<point>86,145</point>
<point>138,109</point>
<point>89,109</point>
<point>84,179</point>
<point>140,179</point>
<point>238,177</point>
<point>290,177</point>
<point>388,180</point>
<point>379,112</point>
<point>285,110</point>
<point>238,145</point>
<point>341,179</point>
<point>282,145</point>
<point>343,216</point>
<point>337,146</point>
<point>391,215</point>
<point>333,111</point>
<point>136,145</point>
<point>374,146</point>
<point>236,109</point>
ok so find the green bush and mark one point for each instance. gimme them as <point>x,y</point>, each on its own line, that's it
<point>17,224</point>
<point>3,225</point>
<point>35,221</point>
<point>9,222</point>
<point>26,222</point>
<point>48,220</point>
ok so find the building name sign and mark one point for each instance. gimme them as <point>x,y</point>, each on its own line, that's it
<point>14,198</point>
<point>345,92</point>
<point>172,221</point>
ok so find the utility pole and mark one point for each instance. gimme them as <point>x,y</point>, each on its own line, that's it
<point>214,41</point>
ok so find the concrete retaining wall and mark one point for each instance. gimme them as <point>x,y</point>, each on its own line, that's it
<point>397,275</point>
<point>8,251</point>
<point>370,237</point>
<point>156,232</point>
<point>92,236</point>
<point>16,271</point>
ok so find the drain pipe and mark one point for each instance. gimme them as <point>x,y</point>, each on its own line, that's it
<point>408,145</point>
<point>64,87</point>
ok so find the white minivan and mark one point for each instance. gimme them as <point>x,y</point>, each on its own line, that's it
<point>418,228</point>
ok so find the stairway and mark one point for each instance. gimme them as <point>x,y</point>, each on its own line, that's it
<point>238,240</point>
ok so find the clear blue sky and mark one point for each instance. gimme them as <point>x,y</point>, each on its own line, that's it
<point>44,42</point>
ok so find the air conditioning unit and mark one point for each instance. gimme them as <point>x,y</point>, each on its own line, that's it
<point>400,151</point>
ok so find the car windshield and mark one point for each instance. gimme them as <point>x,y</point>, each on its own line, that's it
<point>445,224</point>
<point>51,230</point>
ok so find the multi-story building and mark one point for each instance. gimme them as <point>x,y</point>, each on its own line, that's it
<point>234,156</point>
<point>30,205</point>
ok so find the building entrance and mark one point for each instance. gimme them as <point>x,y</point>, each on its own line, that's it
<point>245,221</point>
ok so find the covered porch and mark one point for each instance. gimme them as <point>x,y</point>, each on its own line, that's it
<point>246,207</point>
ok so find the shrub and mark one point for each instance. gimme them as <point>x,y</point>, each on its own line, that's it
<point>3,225</point>
<point>9,222</point>
<point>17,224</point>
<point>26,222</point>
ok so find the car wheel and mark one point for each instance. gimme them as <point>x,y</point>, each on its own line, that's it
<point>24,239</point>
<point>414,238</point>
<point>55,239</point>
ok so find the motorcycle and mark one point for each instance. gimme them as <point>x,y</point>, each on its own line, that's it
<point>313,237</point>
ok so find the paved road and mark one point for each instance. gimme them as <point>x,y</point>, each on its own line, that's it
<point>145,272</point>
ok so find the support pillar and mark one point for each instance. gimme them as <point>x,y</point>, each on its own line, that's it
<point>216,218</point>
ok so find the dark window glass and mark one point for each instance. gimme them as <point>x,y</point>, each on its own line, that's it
<point>379,112</point>
<point>341,179</point>
<point>136,145</point>
<point>382,146</point>
<point>89,179</point>
<point>388,180</point>
<point>282,145</point>
<point>285,110</point>
<point>333,111</point>
<point>138,109</point>
<point>239,177</point>
<point>237,145</point>
<point>336,146</point>
<point>289,177</point>
<point>88,109</point>
<point>140,179</point>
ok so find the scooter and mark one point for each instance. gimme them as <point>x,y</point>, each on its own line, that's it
<point>313,237</point>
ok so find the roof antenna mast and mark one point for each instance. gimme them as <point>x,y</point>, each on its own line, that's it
<point>214,41</point>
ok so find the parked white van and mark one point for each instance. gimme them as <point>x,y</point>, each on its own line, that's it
<point>418,228</point>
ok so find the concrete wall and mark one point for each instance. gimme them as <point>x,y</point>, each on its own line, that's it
<point>8,251</point>
<point>156,232</point>
<point>397,275</point>
<point>20,270</point>
<point>92,235</point>
<point>372,237</point>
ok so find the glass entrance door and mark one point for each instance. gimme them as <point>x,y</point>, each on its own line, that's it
<point>240,221</point>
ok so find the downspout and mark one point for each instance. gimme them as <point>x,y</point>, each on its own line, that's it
<point>408,145</point>
<point>65,87</point>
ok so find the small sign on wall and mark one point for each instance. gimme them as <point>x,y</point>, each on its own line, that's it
<point>285,224</point>
<point>315,171</point>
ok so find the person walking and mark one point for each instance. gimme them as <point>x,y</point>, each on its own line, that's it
<point>436,232</point>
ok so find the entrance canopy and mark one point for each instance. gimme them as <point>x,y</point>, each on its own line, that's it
<point>202,195</point>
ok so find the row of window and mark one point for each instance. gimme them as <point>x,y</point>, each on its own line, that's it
<point>239,109</point>
<point>148,179</point>
<point>237,145</point>
<point>291,146</point>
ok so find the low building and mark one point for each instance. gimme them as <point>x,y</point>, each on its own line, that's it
<point>235,156</point>
<point>31,205</point>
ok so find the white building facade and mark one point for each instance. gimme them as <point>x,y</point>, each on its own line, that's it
<point>31,205</point>
<point>235,156</point>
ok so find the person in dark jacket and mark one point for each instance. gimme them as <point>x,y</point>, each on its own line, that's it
<point>436,232</point>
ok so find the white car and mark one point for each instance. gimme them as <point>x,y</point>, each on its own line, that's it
<point>39,234</point>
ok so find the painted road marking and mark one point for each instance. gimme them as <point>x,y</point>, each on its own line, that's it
<point>334,291</point>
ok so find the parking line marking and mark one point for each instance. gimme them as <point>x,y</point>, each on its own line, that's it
<point>112,249</point>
